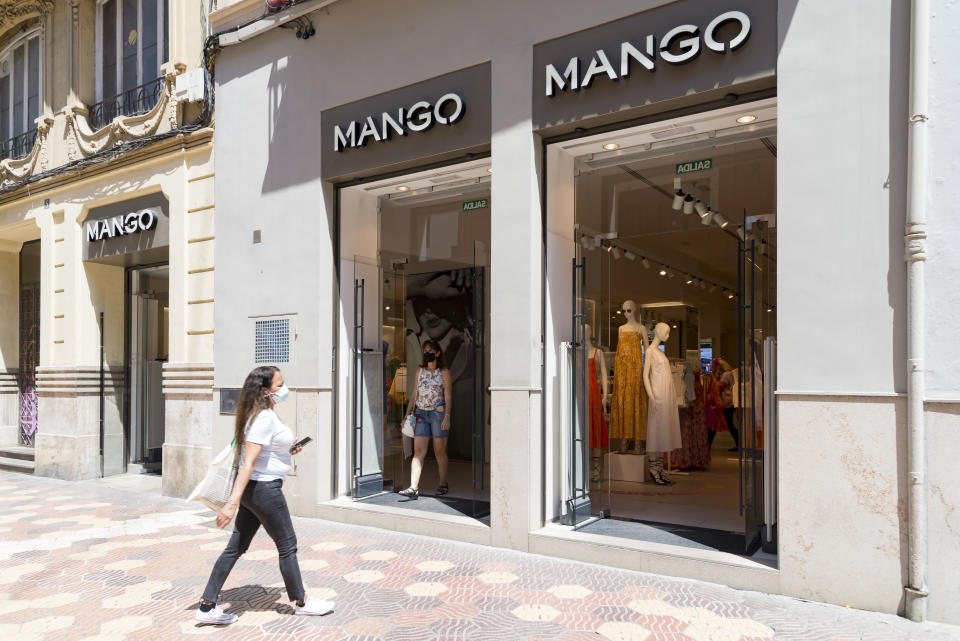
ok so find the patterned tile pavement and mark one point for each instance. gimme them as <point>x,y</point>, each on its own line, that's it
<point>80,562</point>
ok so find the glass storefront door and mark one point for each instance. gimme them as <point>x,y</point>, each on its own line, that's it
<point>420,254</point>
<point>672,319</point>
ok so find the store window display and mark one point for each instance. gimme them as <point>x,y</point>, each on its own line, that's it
<point>677,257</point>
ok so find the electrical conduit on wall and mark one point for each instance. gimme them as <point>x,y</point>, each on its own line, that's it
<point>915,240</point>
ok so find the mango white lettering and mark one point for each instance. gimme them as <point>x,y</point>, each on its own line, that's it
<point>679,45</point>
<point>132,223</point>
<point>420,116</point>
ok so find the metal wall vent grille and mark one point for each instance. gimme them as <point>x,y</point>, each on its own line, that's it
<point>272,341</point>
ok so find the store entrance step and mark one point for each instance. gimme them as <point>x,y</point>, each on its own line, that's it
<point>16,458</point>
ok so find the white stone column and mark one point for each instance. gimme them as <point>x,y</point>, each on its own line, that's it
<point>515,314</point>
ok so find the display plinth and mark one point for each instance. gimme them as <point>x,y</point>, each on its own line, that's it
<point>627,467</point>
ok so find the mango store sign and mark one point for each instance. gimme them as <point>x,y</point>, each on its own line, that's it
<point>681,44</point>
<point>123,225</point>
<point>418,117</point>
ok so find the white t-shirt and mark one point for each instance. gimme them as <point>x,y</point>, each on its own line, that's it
<point>276,439</point>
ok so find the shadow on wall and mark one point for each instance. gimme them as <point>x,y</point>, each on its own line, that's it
<point>896,187</point>
<point>293,118</point>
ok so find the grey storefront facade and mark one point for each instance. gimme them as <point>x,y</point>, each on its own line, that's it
<point>484,150</point>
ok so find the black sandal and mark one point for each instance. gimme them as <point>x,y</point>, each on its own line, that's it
<point>411,494</point>
<point>443,488</point>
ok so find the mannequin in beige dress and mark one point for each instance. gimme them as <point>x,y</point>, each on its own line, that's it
<point>663,416</point>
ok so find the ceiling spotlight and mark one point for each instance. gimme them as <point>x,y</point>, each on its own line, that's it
<point>769,309</point>
<point>403,188</point>
<point>701,208</point>
<point>689,280</point>
<point>721,220</point>
<point>629,255</point>
<point>743,120</point>
<point>388,308</point>
<point>489,170</point>
<point>663,271</point>
<point>617,253</point>
<point>688,204</point>
<point>678,200</point>
<point>611,146</point>
<point>707,217</point>
<point>674,326</point>
<point>729,294</point>
<point>645,263</point>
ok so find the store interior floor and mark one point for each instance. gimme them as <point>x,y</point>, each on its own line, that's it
<point>708,498</point>
<point>461,500</point>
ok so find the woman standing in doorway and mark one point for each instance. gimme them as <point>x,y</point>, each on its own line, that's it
<point>264,443</point>
<point>431,404</point>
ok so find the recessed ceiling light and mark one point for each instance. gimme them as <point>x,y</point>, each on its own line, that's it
<point>663,272</point>
<point>743,120</point>
<point>610,146</point>
<point>403,188</point>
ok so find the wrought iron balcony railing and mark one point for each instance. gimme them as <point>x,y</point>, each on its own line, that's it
<point>18,146</point>
<point>132,102</point>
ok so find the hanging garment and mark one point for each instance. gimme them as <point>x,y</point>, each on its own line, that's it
<point>663,417</point>
<point>713,404</point>
<point>677,368</point>
<point>693,433</point>
<point>599,437</point>
<point>628,408</point>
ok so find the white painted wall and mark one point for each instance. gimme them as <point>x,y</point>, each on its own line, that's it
<point>841,185</point>
<point>841,198</point>
<point>943,224</point>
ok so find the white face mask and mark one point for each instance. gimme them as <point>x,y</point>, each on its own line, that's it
<point>281,394</point>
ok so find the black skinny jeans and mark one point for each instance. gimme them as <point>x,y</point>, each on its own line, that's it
<point>262,503</point>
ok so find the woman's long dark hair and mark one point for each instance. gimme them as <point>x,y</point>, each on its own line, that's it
<point>253,399</point>
<point>435,346</point>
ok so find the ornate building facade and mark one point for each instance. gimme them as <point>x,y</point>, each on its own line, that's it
<point>105,338</point>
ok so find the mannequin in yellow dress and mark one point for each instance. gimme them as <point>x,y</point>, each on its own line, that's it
<point>628,408</point>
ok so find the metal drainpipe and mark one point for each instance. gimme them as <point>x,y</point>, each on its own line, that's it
<point>915,241</point>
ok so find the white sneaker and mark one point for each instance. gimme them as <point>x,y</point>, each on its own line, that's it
<point>216,616</point>
<point>314,607</point>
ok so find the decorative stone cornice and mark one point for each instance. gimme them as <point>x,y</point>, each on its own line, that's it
<point>16,11</point>
<point>84,142</point>
<point>35,162</point>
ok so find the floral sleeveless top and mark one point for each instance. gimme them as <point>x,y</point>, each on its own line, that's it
<point>429,388</point>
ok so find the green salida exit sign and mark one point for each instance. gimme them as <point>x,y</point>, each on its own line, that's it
<point>694,165</point>
<point>470,205</point>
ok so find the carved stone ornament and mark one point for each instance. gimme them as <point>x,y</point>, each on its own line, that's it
<point>84,142</point>
<point>16,11</point>
<point>35,162</point>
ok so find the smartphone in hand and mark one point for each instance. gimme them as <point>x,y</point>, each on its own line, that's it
<point>300,443</point>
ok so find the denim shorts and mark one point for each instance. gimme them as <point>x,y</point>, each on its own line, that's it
<point>429,422</point>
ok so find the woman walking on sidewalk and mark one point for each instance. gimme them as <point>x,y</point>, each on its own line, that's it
<point>257,499</point>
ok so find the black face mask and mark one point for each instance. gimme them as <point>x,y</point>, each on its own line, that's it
<point>429,357</point>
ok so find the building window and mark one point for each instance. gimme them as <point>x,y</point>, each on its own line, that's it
<point>132,43</point>
<point>19,95</point>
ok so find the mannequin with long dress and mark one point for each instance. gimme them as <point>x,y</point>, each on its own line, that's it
<point>628,408</point>
<point>599,395</point>
<point>663,417</point>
